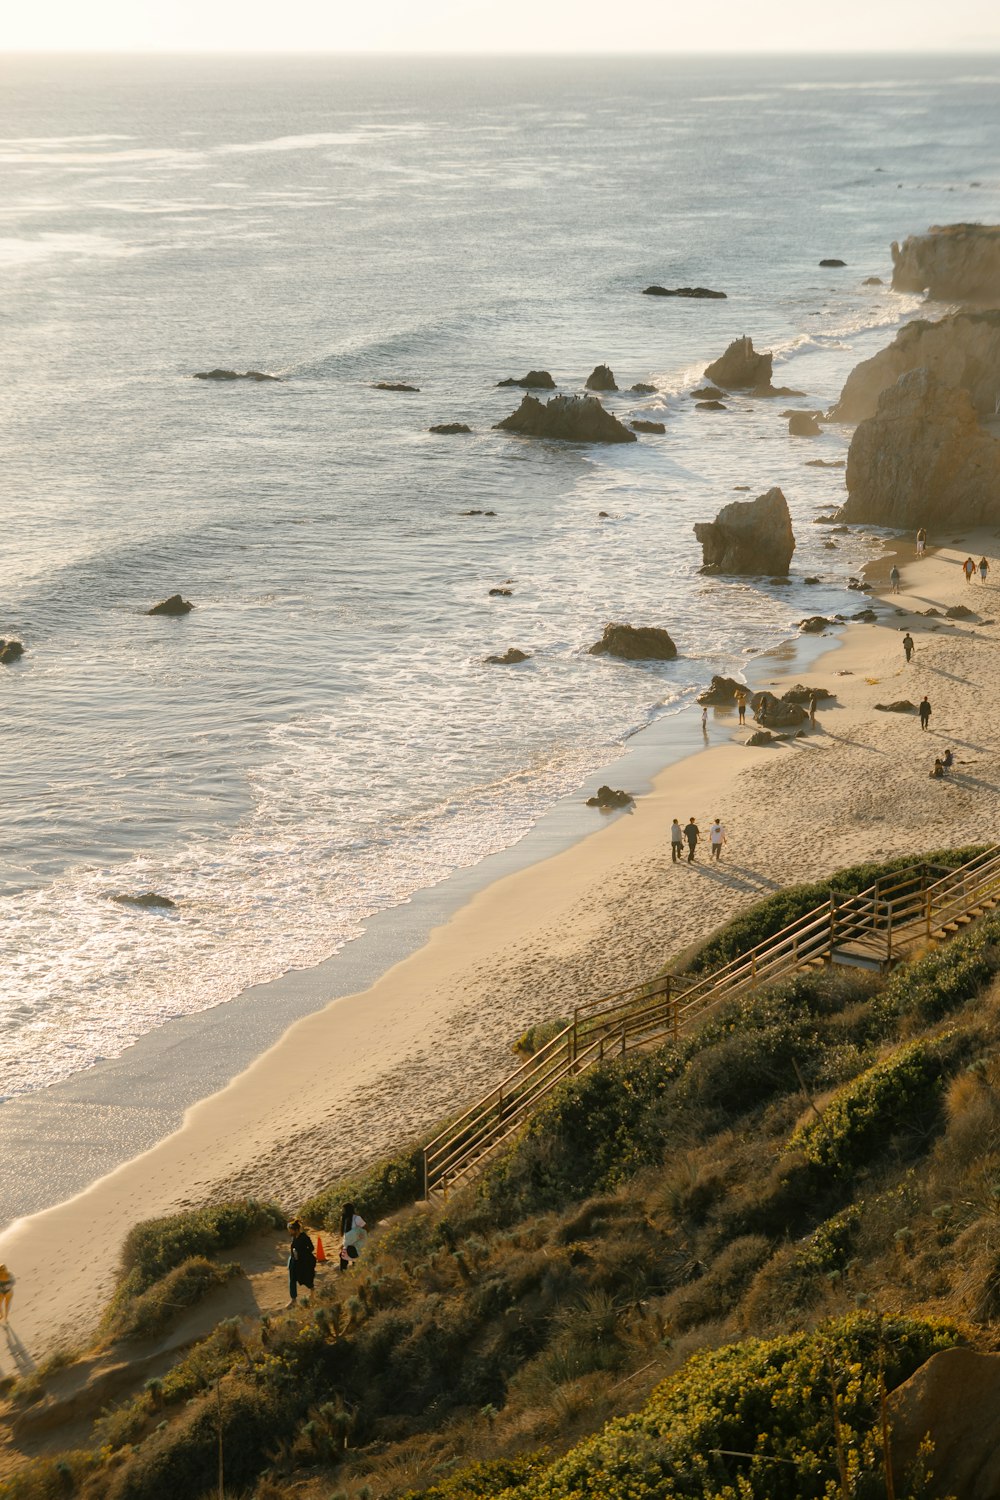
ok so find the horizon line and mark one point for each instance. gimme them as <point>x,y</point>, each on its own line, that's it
<point>971,50</point>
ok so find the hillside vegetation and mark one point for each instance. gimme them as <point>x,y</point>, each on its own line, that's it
<point>696,1273</point>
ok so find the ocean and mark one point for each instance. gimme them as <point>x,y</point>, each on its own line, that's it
<point>320,738</point>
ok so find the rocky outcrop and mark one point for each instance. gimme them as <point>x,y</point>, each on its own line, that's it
<point>954,1399</point>
<point>393,385</point>
<point>804,424</point>
<point>574,419</point>
<point>722,692</point>
<point>535,380</point>
<point>900,706</point>
<point>961,350</point>
<point>610,797</point>
<point>149,899</point>
<point>639,424</point>
<point>832,261</point>
<point>710,406</point>
<point>800,694</point>
<point>777,713</point>
<point>10,651</point>
<point>749,536</point>
<point>175,605</point>
<point>510,658</point>
<point>707,393</point>
<point>741,368</point>
<point>681,291</point>
<point>642,388</point>
<point>923,460</point>
<point>233,375</point>
<point>601,378</point>
<point>635,643</point>
<point>501,593</point>
<point>814,625</point>
<point>951,263</point>
<point>449,429</point>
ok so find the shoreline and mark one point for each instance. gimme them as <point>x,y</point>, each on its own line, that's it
<point>436,1029</point>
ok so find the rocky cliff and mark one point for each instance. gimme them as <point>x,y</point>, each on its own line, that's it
<point>951,262</point>
<point>749,536</point>
<point>962,350</point>
<point>923,460</point>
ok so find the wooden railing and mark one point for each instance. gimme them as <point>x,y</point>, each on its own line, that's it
<point>921,904</point>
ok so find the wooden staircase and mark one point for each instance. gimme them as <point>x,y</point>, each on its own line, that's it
<point>874,929</point>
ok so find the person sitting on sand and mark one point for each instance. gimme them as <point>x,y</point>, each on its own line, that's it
<point>968,568</point>
<point>301,1262</point>
<point>353,1234</point>
<point>984,568</point>
<point>948,761</point>
<point>894,578</point>
<point>6,1293</point>
<point>908,645</point>
<point>938,770</point>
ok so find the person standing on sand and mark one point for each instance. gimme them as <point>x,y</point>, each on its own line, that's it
<point>692,833</point>
<point>741,705</point>
<point>813,705</point>
<point>301,1262</point>
<point>984,568</point>
<point>704,720</point>
<point>925,711</point>
<point>921,541</point>
<point>908,645</point>
<point>353,1234</point>
<point>6,1293</point>
<point>676,842</point>
<point>894,578</point>
<point>968,568</point>
<point>716,838</point>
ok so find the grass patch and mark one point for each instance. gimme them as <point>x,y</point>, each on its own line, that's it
<point>155,1309</point>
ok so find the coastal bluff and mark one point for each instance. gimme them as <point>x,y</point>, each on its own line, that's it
<point>961,350</point>
<point>923,459</point>
<point>951,263</point>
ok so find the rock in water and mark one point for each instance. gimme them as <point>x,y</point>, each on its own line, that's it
<point>574,419</point>
<point>393,385</point>
<point>148,899</point>
<point>642,388</point>
<point>814,625</point>
<point>710,406</point>
<point>923,460</point>
<point>803,424</point>
<point>741,368</point>
<point>749,536</point>
<point>635,643</point>
<point>951,263</point>
<point>707,393</point>
<point>681,291</point>
<point>510,658</point>
<point>832,261</point>
<point>535,380</point>
<point>722,692</point>
<point>448,429</point>
<point>601,378</point>
<point>233,375</point>
<point>608,797</point>
<point>175,605</point>
<point>962,350</point>
<point>10,651</point>
<point>639,425</point>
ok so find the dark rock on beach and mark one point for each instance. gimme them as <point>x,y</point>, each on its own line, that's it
<point>639,424</point>
<point>149,899</point>
<point>608,797</point>
<point>777,713</point>
<point>535,380</point>
<point>748,536</point>
<point>175,605</point>
<point>901,706</point>
<point>601,378</point>
<point>233,375</point>
<point>761,737</point>
<point>573,419</point>
<point>393,385</point>
<point>510,658</point>
<point>803,424</point>
<point>448,429</point>
<point>10,651</point>
<point>741,367</point>
<point>635,643</point>
<point>722,692</point>
<point>866,616</point>
<point>800,694</point>
<point>814,625</point>
<point>681,291</point>
<point>959,612</point>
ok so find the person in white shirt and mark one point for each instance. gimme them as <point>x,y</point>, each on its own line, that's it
<point>716,838</point>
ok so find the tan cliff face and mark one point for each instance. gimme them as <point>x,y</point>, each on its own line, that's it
<point>962,350</point>
<point>951,263</point>
<point>923,460</point>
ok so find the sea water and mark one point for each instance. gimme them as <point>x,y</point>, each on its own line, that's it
<point>320,737</point>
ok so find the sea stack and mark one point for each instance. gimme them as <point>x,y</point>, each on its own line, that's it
<point>748,536</point>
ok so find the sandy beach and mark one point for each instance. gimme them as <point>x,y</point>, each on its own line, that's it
<point>370,1072</point>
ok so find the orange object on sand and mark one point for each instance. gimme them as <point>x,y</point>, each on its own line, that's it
<point>320,1252</point>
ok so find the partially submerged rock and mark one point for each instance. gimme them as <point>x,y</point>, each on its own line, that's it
<point>502,593</point>
<point>635,643</point>
<point>681,291</point>
<point>510,658</point>
<point>832,261</point>
<point>149,899</point>
<point>608,797</point>
<point>601,378</point>
<point>10,651</point>
<point>710,406</point>
<point>257,375</point>
<point>175,605</point>
<point>640,424</point>
<point>573,419</point>
<point>866,616</point>
<point>951,263</point>
<point>535,380</point>
<point>448,429</point>
<point>741,367</point>
<point>707,393</point>
<point>393,385</point>
<point>749,536</point>
<point>814,625</point>
<point>962,350</point>
<point>804,424</point>
<point>642,388</point>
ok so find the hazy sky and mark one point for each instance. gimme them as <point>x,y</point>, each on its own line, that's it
<point>501,25</point>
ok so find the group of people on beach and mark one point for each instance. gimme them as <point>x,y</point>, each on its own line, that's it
<point>690,834</point>
<point>970,567</point>
<point>304,1255</point>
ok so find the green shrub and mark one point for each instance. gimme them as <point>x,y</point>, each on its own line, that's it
<point>153,1310</point>
<point>754,1420</point>
<point>535,1037</point>
<point>389,1185</point>
<point>481,1481</point>
<point>903,1090</point>
<point>49,1478</point>
<point>156,1246</point>
<point>937,984</point>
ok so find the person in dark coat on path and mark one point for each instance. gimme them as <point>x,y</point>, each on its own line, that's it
<point>925,711</point>
<point>301,1262</point>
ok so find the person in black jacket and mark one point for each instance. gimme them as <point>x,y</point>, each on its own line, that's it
<point>301,1262</point>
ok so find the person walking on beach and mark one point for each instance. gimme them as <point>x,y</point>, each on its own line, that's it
<point>984,568</point>
<point>716,838</point>
<point>301,1262</point>
<point>908,645</point>
<point>353,1234</point>
<point>6,1293</point>
<point>968,568</point>
<point>921,541</point>
<point>692,833</point>
<point>741,705</point>
<point>894,578</point>
<point>925,711</point>
<point>676,842</point>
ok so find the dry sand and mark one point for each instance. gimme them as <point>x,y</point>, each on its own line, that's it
<point>370,1072</point>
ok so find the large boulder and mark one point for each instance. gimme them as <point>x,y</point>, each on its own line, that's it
<point>951,263</point>
<point>535,380</point>
<point>741,368</point>
<point>639,424</point>
<point>803,424</point>
<point>449,429</point>
<point>610,797</point>
<point>923,460</point>
<point>512,657</point>
<point>749,536</point>
<point>962,349</point>
<point>722,692</point>
<point>954,1399</point>
<point>175,605</point>
<point>601,378</point>
<point>574,419</point>
<point>777,713</point>
<point>635,643</point>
